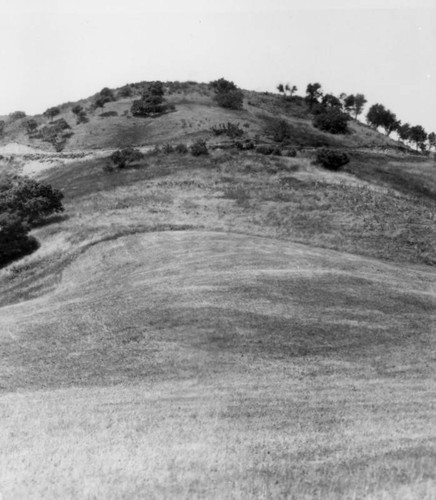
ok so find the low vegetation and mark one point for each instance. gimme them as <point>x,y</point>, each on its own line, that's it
<point>227,94</point>
<point>152,102</point>
<point>331,159</point>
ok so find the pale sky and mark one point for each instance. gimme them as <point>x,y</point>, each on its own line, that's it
<point>53,51</point>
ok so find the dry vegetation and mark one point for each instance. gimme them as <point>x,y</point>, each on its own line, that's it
<point>230,326</point>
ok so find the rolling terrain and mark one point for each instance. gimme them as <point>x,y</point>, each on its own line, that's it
<point>228,326</point>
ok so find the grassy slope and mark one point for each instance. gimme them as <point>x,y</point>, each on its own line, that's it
<point>180,341</point>
<point>195,115</point>
<point>243,368</point>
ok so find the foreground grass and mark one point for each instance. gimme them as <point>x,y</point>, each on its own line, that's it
<point>282,433</point>
<point>208,365</point>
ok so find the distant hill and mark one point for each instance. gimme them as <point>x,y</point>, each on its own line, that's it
<point>195,114</point>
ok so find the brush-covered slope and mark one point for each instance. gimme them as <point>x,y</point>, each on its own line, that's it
<point>195,114</point>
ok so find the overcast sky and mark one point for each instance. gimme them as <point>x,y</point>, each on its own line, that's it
<point>54,51</point>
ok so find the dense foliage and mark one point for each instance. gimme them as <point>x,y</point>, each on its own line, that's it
<point>23,203</point>
<point>199,148</point>
<point>331,159</point>
<point>152,102</point>
<point>125,157</point>
<point>14,239</point>
<point>28,199</point>
<point>227,94</point>
<point>332,120</point>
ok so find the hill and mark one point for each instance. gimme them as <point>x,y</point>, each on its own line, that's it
<point>230,325</point>
<point>196,113</point>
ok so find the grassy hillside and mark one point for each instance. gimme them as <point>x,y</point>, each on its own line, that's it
<point>242,367</point>
<point>225,326</point>
<point>195,114</point>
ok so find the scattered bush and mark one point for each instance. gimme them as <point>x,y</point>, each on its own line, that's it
<point>14,239</point>
<point>106,95</point>
<point>332,120</point>
<point>107,114</point>
<point>50,113</point>
<point>2,127</point>
<point>181,149</point>
<point>56,133</point>
<point>227,94</point>
<point>265,149</point>
<point>167,149</point>
<point>199,148</point>
<point>125,91</point>
<point>279,130</point>
<point>17,115</point>
<point>125,157</point>
<point>80,113</point>
<point>31,126</point>
<point>152,102</point>
<point>230,130</point>
<point>28,199</point>
<point>331,159</point>
<point>245,145</point>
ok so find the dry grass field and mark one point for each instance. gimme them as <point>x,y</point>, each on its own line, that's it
<point>199,364</point>
<point>232,326</point>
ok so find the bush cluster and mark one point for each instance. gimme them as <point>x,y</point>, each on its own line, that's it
<point>332,120</point>
<point>331,159</point>
<point>122,158</point>
<point>227,94</point>
<point>23,203</point>
<point>80,113</point>
<point>199,148</point>
<point>106,95</point>
<point>229,129</point>
<point>152,102</point>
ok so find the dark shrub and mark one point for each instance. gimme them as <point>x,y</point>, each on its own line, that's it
<point>106,95</point>
<point>107,114</point>
<point>265,149</point>
<point>2,126</point>
<point>31,126</point>
<point>152,102</point>
<point>279,130</point>
<point>125,157</point>
<point>230,130</point>
<point>28,199</point>
<point>230,100</point>
<point>167,149</point>
<point>80,114</point>
<point>17,115</point>
<point>245,145</point>
<point>57,133</point>
<point>331,159</point>
<point>332,120</point>
<point>14,239</point>
<point>181,149</point>
<point>227,94</point>
<point>125,91</point>
<point>199,148</point>
<point>50,113</point>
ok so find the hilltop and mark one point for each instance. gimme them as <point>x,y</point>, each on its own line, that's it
<point>195,114</point>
